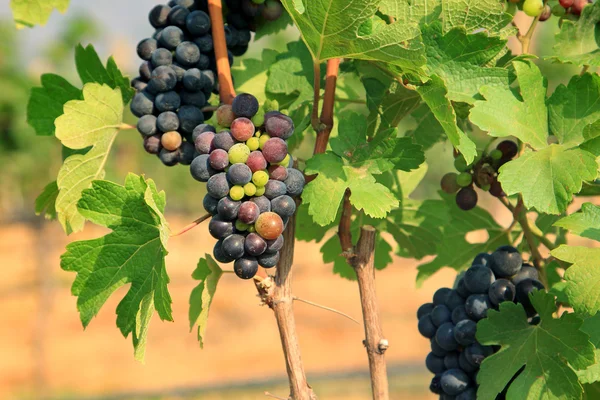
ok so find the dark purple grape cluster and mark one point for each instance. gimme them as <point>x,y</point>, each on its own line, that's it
<point>251,182</point>
<point>483,173</point>
<point>450,321</point>
<point>177,78</point>
<point>249,14</point>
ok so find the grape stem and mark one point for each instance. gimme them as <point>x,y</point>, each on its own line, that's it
<point>226,89</point>
<point>193,224</point>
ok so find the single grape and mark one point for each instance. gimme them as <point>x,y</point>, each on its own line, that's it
<point>225,115</point>
<point>167,121</point>
<point>146,47</point>
<point>426,308</point>
<point>477,306</point>
<point>171,37</point>
<point>204,142</point>
<point>249,212</point>
<point>526,272</point>
<point>506,261</point>
<point>294,182</point>
<point>466,199</point>
<point>426,327</point>
<point>146,125</point>
<point>440,315</point>
<point>237,192</point>
<point>434,363</point>
<point>278,172</point>
<point>502,290</point>
<point>217,186</point>
<point>198,23</point>
<point>459,314</point>
<point>274,245</point>
<point>508,148</point>
<point>524,288</point>
<point>201,169</point>
<point>263,203</point>
<point>142,104</point>
<point>239,174</point>
<point>189,118</point>
<point>278,125</point>
<point>223,140</point>
<point>284,205</point>
<point>464,179</point>
<point>246,267</point>
<point>161,57</point>
<point>445,337</point>
<point>455,381</point>
<point>219,254</point>
<point>255,245</point>
<point>249,189</point>
<point>256,161</point>
<point>178,15</point>
<point>275,150</point>
<point>152,144</point>
<point>210,204</point>
<point>239,153</point>
<point>187,54</point>
<point>168,101</point>
<point>228,208</point>
<point>464,332</point>
<point>233,246</point>
<point>449,183</point>
<point>219,228</point>
<point>451,360</point>
<point>269,225</point>
<point>441,295</point>
<point>219,159</point>
<point>242,129</point>
<point>478,279</point>
<point>268,260</point>
<point>159,16</point>
<point>171,140</point>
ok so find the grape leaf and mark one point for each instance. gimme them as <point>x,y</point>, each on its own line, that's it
<point>45,203</point>
<point>577,43</point>
<point>553,175</point>
<point>208,273</point>
<point>46,103</point>
<point>133,253</point>
<point>505,112</point>
<point>351,165</point>
<point>90,69</point>
<point>28,13</point>
<point>574,107</point>
<point>453,250</point>
<point>330,29</point>
<point>461,61</point>
<point>549,351</point>
<point>434,93</point>
<point>94,121</point>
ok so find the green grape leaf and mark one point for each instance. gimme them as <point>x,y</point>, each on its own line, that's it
<point>574,107</point>
<point>585,223</point>
<point>45,203</point>
<point>461,61</point>
<point>90,69</point>
<point>46,103</point>
<point>549,352</point>
<point>133,253</point>
<point>505,112</point>
<point>208,274</point>
<point>28,13</point>
<point>453,250</point>
<point>577,42</point>
<point>330,29</point>
<point>94,121</point>
<point>435,95</point>
<point>553,175</point>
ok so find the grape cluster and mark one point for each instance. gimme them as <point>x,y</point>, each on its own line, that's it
<point>483,173</point>
<point>177,77</point>
<point>450,321</point>
<point>250,180</point>
<point>537,8</point>
<point>248,14</point>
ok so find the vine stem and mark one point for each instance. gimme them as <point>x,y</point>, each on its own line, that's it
<point>226,89</point>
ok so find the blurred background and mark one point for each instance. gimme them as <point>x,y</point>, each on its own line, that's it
<point>44,352</point>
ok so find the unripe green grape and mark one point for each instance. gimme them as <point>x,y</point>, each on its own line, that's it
<point>496,154</point>
<point>460,164</point>
<point>253,143</point>
<point>260,178</point>
<point>464,179</point>
<point>263,139</point>
<point>533,8</point>
<point>238,153</point>
<point>260,191</point>
<point>236,193</point>
<point>250,189</point>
